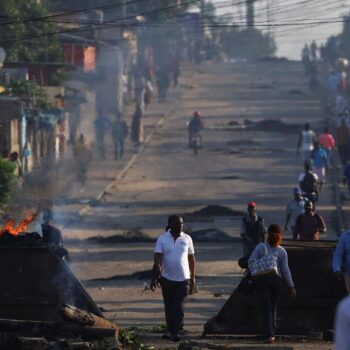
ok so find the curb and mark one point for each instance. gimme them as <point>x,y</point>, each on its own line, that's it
<point>83,211</point>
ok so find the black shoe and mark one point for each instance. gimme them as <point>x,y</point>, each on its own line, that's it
<point>166,336</point>
<point>175,338</point>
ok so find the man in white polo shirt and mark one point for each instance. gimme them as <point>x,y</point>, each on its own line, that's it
<point>174,272</point>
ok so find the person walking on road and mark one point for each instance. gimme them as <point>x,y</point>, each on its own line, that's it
<point>306,142</point>
<point>174,272</point>
<point>269,287</point>
<point>294,208</point>
<point>82,155</point>
<point>342,255</point>
<point>137,132</point>
<point>102,123</point>
<point>194,128</point>
<point>343,141</point>
<point>327,142</point>
<point>309,225</point>
<point>119,133</point>
<point>308,182</point>
<point>253,230</point>
<point>319,164</point>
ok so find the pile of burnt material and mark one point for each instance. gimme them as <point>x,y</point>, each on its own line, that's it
<point>318,292</point>
<point>42,304</point>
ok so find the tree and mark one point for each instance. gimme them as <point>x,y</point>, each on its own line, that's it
<point>15,27</point>
<point>29,91</point>
<point>248,43</point>
<point>7,179</point>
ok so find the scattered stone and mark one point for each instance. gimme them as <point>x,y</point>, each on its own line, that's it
<point>234,123</point>
<point>130,236</point>
<point>233,177</point>
<point>272,125</point>
<point>210,235</point>
<point>140,275</point>
<point>216,210</point>
<point>296,92</point>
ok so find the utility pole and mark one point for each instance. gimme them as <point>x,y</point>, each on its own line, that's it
<point>250,13</point>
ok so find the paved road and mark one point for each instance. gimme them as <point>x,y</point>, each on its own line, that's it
<point>237,165</point>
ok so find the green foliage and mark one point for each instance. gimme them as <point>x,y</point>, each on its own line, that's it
<point>7,179</point>
<point>160,328</point>
<point>129,340</point>
<point>29,91</point>
<point>41,49</point>
<point>246,43</point>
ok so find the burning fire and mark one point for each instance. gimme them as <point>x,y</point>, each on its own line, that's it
<point>13,228</point>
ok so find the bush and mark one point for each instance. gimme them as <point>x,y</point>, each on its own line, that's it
<point>7,179</point>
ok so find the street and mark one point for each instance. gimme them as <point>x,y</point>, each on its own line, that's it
<point>240,162</point>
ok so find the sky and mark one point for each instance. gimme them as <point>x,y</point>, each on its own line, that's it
<point>291,39</point>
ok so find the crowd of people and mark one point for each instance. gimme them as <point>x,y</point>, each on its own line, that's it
<point>264,257</point>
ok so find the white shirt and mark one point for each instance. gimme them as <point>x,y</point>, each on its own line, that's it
<point>175,256</point>
<point>307,140</point>
<point>342,325</point>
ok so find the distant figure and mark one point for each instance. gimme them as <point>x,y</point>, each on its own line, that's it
<point>195,127</point>
<point>253,230</point>
<point>313,50</point>
<point>294,208</point>
<point>14,158</point>
<point>163,83</point>
<point>319,164</point>
<point>342,325</point>
<point>137,131</point>
<point>343,141</point>
<point>74,108</point>
<point>119,133</point>
<point>102,124</point>
<point>341,257</point>
<point>308,182</point>
<point>327,142</point>
<point>341,105</point>
<point>140,88</point>
<point>148,94</point>
<point>82,155</point>
<point>306,142</point>
<point>305,57</point>
<point>51,235</point>
<point>309,225</point>
<point>332,86</point>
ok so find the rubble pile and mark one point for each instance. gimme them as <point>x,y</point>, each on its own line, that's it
<point>42,304</point>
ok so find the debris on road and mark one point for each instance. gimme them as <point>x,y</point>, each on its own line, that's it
<point>130,236</point>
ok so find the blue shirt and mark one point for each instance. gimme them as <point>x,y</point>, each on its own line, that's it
<point>319,158</point>
<point>342,250</point>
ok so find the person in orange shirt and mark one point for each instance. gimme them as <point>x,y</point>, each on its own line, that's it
<point>327,142</point>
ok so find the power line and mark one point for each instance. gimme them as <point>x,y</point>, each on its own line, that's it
<point>86,27</point>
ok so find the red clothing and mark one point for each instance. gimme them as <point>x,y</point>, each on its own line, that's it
<point>307,227</point>
<point>327,141</point>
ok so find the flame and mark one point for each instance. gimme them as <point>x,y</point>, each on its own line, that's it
<point>13,228</point>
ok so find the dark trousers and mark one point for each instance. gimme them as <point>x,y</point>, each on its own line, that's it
<point>174,296</point>
<point>269,290</point>
<point>343,153</point>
